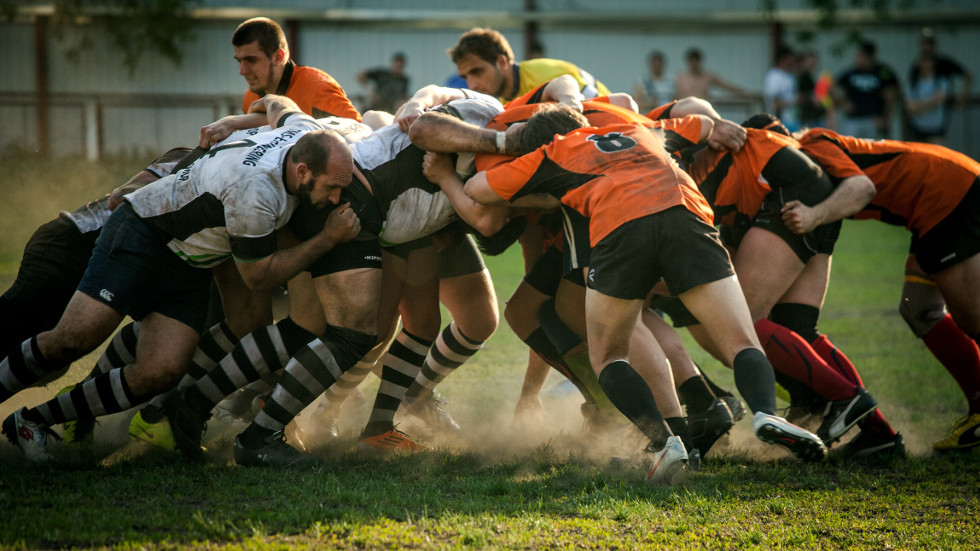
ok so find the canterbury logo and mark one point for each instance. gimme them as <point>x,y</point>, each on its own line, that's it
<point>105,294</point>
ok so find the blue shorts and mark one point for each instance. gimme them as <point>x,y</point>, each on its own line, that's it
<point>134,272</point>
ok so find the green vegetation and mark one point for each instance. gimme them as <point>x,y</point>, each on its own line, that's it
<point>499,487</point>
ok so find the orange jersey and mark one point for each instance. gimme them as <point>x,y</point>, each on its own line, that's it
<point>316,93</point>
<point>599,112</point>
<point>610,175</point>
<point>662,112</point>
<point>733,182</point>
<point>918,184</point>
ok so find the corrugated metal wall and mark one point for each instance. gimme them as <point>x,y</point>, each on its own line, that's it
<point>615,57</point>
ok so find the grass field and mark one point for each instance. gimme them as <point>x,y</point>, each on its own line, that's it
<point>496,486</point>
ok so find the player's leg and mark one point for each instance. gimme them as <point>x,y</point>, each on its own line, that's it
<point>960,285</point>
<point>708,418</point>
<point>350,300</point>
<point>470,299</point>
<point>410,286</point>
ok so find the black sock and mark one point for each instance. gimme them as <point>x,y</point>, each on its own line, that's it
<point>717,390</point>
<point>254,436</point>
<point>678,426</point>
<point>630,394</point>
<point>695,394</point>
<point>755,380</point>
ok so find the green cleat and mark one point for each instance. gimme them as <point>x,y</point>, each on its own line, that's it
<point>157,434</point>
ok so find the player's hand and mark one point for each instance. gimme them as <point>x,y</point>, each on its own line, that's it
<point>215,132</point>
<point>573,100</point>
<point>437,167</point>
<point>799,218</point>
<point>407,115</point>
<point>726,135</point>
<point>342,224</point>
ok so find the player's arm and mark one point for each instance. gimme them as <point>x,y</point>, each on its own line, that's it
<point>563,89</point>
<point>852,195</point>
<point>425,98</point>
<point>271,270</point>
<point>478,189</point>
<point>442,133</point>
<point>223,127</point>
<point>141,179</point>
<point>487,220</point>
<point>276,108</point>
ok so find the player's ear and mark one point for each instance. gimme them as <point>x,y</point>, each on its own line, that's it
<point>503,64</point>
<point>279,57</point>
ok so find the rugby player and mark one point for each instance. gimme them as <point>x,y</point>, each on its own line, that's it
<point>621,178</point>
<point>932,191</point>
<point>149,262</point>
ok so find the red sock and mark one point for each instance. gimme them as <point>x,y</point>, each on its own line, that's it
<point>959,355</point>
<point>836,359</point>
<point>877,425</point>
<point>790,354</point>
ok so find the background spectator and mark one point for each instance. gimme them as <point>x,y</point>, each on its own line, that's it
<point>925,102</point>
<point>654,88</point>
<point>866,94</point>
<point>779,88</point>
<point>389,87</point>
<point>816,108</point>
<point>697,82</point>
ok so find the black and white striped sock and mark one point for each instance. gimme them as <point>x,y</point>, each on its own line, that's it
<point>22,368</point>
<point>107,393</point>
<point>402,364</point>
<point>451,349</point>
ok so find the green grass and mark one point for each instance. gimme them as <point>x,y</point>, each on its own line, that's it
<point>498,487</point>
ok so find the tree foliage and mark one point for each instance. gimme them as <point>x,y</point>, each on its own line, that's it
<point>134,27</point>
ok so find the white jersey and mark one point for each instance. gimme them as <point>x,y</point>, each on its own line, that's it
<point>411,207</point>
<point>230,202</point>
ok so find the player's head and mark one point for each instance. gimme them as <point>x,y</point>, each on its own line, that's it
<point>693,58</point>
<point>323,166</point>
<point>261,52</point>
<point>865,57</point>
<point>656,62</point>
<point>484,58</point>
<point>550,119</point>
<point>766,121</point>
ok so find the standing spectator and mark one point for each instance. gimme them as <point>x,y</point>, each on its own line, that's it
<point>816,109</point>
<point>389,87</point>
<point>925,102</point>
<point>866,93</point>
<point>945,67</point>
<point>696,81</point>
<point>654,89</point>
<point>535,51</point>
<point>779,88</point>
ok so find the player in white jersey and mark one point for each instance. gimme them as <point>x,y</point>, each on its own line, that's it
<point>251,191</point>
<point>392,199</point>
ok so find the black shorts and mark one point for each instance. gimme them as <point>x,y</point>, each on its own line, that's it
<point>792,177</point>
<point>680,316</point>
<point>402,250</point>
<point>674,244</point>
<point>134,272</point>
<point>54,261</point>
<point>954,239</point>
<point>348,256</point>
<point>576,248</point>
<point>546,273</point>
<point>462,258</point>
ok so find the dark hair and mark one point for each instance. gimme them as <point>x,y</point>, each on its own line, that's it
<point>655,54</point>
<point>766,121</point>
<point>550,119</point>
<point>693,52</point>
<point>314,149</point>
<point>868,48</point>
<point>486,44</point>
<point>783,52</point>
<point>267,32</point>
<point>399,56</point>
